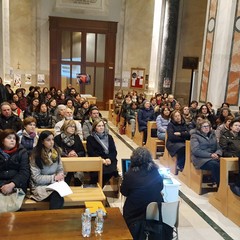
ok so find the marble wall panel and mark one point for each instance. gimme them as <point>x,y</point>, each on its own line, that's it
<point>233,89</point>
<point>208,49</point>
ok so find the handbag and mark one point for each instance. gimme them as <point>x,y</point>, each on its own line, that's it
<point>155,230</point>
<point>13,201</point>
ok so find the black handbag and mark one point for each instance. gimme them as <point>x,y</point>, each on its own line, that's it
<point>155,230</point>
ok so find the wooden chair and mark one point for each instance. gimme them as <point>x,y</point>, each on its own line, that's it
<point>220,199</point>
<point>153,142</point>
<point>80,195</point>
<point>184,176</point>
<point>170,214</point>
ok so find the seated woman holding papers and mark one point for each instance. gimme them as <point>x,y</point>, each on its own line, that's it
<point>46,168</point>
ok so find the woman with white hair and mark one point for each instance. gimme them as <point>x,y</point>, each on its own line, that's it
<point>141,185</point>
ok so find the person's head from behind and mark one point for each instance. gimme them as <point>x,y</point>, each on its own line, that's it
<point>69,127</point>
<point>234,126</point>
<point>29,124</point>
<point>6,110</point>
<point>98,126</point>
<point>141,159</point>
<point>9,139</point>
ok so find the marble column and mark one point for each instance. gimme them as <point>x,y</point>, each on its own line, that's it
<point>4,39</point>
<point>169,45</point>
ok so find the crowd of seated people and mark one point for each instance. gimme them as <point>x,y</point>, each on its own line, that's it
<point>179,122</point>
<point>32,160</point>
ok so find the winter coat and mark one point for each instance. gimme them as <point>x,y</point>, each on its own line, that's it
<point>28,142</point>
<point>175,143</point>
<point>230,144</point>
<point>41,178</point>
<point>94,149</point>
<point>140,188</point>
<point>145,115</point>
<point>12,122</point>
<point>162,124</point>
<point>15,169</point>
<point>202,147</point>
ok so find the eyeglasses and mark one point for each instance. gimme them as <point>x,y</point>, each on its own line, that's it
<point>205,126</point>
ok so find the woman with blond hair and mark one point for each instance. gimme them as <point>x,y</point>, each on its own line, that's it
<point>70,143</point>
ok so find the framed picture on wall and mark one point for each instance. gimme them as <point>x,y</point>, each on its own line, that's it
<point>137,78</point>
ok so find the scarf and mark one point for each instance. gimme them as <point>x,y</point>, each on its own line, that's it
<point>102,139</point>
<point>68,140</point>
<point>49,157</point>
<point>7,153</point>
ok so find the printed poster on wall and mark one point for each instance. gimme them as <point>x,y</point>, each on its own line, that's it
<point>28,78</point>
<point>41,79</point>
<point>17,80</point>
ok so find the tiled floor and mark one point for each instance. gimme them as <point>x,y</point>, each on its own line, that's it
<point>213,225</point>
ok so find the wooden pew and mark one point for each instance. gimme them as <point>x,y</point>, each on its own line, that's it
<point>138,137</point>
<point>80,195</point>
<point>168,161</point>
<point>153,142</point>
<point>184,176</point>
<point>39,130</point>
<point>110,110</point>
<point>220,199</point>
<point>91,100</point>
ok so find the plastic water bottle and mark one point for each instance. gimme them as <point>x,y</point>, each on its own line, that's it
<point>86,223</point>
<point>99,220</point>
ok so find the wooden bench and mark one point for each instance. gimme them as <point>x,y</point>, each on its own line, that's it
<point>80,195</point>
<point>110,110</point>
<point>39,130</point>
<point>184,176</point>
<point>168,161</point>
<point>153,142</point>
<point>138,137</point>
<point>224,200</point>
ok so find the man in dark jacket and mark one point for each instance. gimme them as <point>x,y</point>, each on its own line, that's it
<point>8,120</point>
